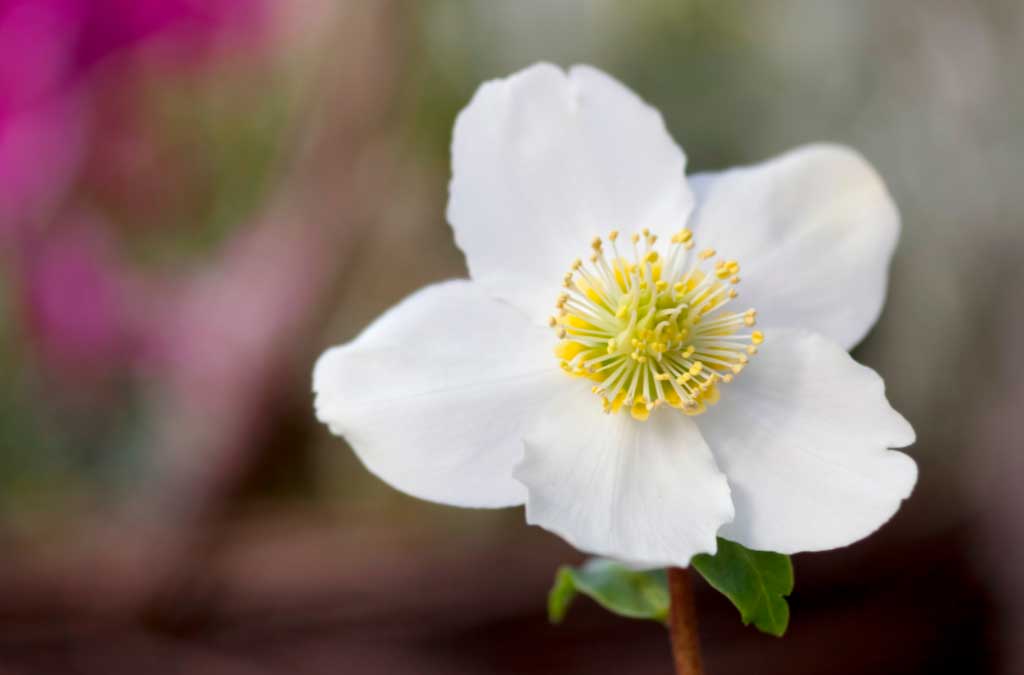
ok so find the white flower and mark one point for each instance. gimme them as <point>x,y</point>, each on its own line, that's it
<point>455,395</point>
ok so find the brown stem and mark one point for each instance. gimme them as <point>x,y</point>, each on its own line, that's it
<point>682,623</point>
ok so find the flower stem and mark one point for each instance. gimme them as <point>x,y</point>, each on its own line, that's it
<point>682,623</point>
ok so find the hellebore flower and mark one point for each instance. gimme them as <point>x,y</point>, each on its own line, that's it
<point>601,365</point>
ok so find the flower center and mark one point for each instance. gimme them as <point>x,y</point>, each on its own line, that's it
<point>653,329</point>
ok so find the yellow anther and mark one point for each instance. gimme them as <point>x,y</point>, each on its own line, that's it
<point>682,236</point>
<point>635,238</point>
<point>734,280</point>
<point>696,368</point>
<point>568,350</point>
<point>651,257</point>
<point>672,397</point>
<point>732,294</point>
<point>706,253</point>
<point>738,368</point>
<point>613,235</point>
<point>596,243</point>
<point>577,263</point>
<point>639,410</point>
<point>757,337</point>
<point>661,285</point>
<point>560,333</point>
<point>711,396</point>
<point>751,350</point>
<point>552,321</point>
<point>695,409</point>
<point>615,405</point>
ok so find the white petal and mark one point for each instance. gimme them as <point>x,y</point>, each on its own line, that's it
<point>433,396</point>
<point>802,434</point>
<point>813,230</point>
<point>647,492</point>
<point>543,161</point>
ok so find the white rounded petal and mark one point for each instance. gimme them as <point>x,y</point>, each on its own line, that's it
<point>803,435</point>
<point>544,160</point>
<point>813,230</point>
<point>647,492</point>
<point>434,395</point>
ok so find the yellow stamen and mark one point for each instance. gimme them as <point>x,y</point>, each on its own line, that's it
<point>653,330</point>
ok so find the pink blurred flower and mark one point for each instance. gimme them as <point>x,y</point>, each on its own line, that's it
<point>74,298</point>
<point>40,121</point>
<point>48,49</point>
<point>187,26</point>
<point>53,56</point>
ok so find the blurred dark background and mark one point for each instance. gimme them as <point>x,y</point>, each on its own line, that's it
<point>199,196</point>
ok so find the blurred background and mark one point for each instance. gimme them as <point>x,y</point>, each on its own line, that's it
<point>197,197</point>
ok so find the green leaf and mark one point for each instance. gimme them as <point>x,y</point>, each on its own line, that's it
<point>755,581</point>
<point>637,595</point>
